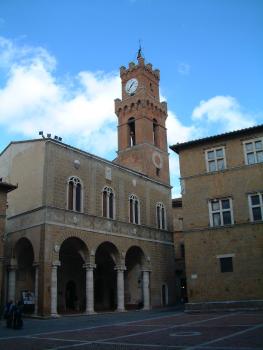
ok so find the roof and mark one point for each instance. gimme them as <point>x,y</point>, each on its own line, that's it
<point>6,187</point>
<point>108,162</point>
<point>177,202</point>
<point>228,135</point>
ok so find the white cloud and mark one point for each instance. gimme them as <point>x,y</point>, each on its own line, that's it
<point>177,132</point>
<point>223,111</point>
<point>80,108</point>
<point>32,99</point>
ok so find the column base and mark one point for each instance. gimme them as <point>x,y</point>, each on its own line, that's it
<point>90,312</point>
<point>146,308</point>
<point>54,315</point>
<point>121,310</point>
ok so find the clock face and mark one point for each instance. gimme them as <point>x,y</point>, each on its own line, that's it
<point>131,86</point>
<point>157,160</point>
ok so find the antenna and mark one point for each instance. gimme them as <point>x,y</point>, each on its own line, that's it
<point>41,133</point>
<point>57,138</point>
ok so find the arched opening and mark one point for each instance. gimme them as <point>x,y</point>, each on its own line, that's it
<point>108,208</point>
<point>160,216</point>
<point>133,285</point>
<point>105,277</point>
<point>131,132</point>
<point>155,133</point>
<point>134,209</point>
<point>164,295</point>
<point>71,276</point>
<point>25,274</point>
<point>74,194</point>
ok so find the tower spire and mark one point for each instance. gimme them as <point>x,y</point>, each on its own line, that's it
<point>139,54</point>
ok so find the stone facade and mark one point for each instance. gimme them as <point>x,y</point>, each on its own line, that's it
<point>71,252</point>
<point>222,228</point>
<point>4,189</point>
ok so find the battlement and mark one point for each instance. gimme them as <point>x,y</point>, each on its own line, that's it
<point>138,103</point>
<point>141,65</point>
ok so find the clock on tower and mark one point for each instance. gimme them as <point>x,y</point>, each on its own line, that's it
<point>142,137</point>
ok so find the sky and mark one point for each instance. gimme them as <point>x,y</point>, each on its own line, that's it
<point>60,59</point>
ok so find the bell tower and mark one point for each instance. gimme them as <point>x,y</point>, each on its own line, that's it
<point>142,136</point>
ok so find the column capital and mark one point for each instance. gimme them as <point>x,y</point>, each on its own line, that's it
<point>12,264</point>
<point>146,270</point>
<point>35,264</point>
<point>120,268</point>
<point>12,267</point>
<point>89,266</point>
<point>55,264</point>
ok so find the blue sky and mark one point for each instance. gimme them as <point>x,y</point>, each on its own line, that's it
<point>59,63</point>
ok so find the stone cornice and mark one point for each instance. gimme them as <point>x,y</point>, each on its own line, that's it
<point>84,222</point>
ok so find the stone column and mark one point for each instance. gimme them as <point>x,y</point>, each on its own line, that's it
<point>146,289</point>
<point>36,265</point>
<point>54,287</point>
<point>12,282</point>
<point>89,288</point>
<point>120,288</point>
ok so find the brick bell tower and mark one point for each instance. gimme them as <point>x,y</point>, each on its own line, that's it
<point>142,137</point>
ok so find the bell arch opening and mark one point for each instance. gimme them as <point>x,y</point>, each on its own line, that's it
<point>131,132</point>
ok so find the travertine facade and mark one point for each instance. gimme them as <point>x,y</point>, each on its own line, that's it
<point>86,234</point>
<point>222,196</point>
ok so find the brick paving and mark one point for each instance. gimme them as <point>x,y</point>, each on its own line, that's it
<point>131,331</point>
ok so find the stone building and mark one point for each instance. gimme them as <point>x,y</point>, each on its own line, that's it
<point>222,201</point>
<point>4,189</point>
<point>84,233</point>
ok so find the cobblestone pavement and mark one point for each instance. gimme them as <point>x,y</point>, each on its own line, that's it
<point>159,330</point>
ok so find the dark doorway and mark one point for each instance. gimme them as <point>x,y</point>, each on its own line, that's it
<point>134,260</point>
<point>105,277</point>
<point>164,295</point>
<point>71,295</point>
<point>71,276</point>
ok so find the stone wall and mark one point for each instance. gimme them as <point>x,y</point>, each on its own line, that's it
<point>242,240</point>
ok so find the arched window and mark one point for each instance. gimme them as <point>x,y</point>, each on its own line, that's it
<point>131,132</point>
<point>74,194</point>
<point>134,206</point>
<point>155,132</point>
<point>108,202</point>
<point>160,216</point>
